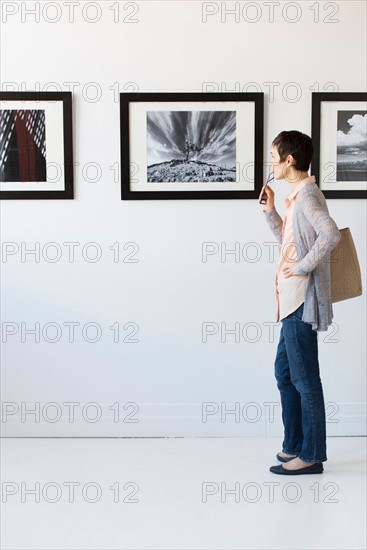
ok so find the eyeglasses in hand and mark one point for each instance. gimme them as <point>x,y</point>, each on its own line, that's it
<point>264,196</point>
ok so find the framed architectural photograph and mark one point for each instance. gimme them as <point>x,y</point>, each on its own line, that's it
<point>191,145</point>
<point>339,135</point>
<point>36,151</point>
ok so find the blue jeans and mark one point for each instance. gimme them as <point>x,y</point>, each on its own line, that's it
<point>298,379</point>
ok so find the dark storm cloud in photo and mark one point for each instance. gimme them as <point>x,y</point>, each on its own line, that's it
<point>351,146</point>
<point>191,146</point>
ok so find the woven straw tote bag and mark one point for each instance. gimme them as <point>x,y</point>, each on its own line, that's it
<point>345,273</point>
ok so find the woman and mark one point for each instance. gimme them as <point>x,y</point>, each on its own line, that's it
<point>306,238</point>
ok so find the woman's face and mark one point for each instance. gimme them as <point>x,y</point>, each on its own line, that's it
<point>275,164</point>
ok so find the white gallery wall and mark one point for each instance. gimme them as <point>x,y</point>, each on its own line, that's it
<point>138,363</point>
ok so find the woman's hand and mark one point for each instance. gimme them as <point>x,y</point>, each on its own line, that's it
<point>270,194</point>
<point>288,269</point>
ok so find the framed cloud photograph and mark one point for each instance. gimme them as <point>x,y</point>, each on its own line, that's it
<point>36,151</point>
<point>339,135</point>
<point>191,145</point>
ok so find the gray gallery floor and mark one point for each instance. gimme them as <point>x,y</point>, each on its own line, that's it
<point>178,494</point>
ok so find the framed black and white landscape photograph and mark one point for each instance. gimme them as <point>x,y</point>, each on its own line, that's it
<point>339,135</point>
<point>191,145</point>
<point>36,153</point>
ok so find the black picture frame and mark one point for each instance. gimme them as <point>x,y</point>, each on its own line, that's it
<point>127,169</point>
<point>325,135</point>
<point>45,133</point>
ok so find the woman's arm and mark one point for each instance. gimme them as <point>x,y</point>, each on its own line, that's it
<point>275,223</point>
<point>328,234</point>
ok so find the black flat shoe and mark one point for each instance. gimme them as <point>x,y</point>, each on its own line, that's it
<point>316,468</point>
<point>283,459</point>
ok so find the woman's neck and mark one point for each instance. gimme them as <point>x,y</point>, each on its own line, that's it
<point>295,178</point>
